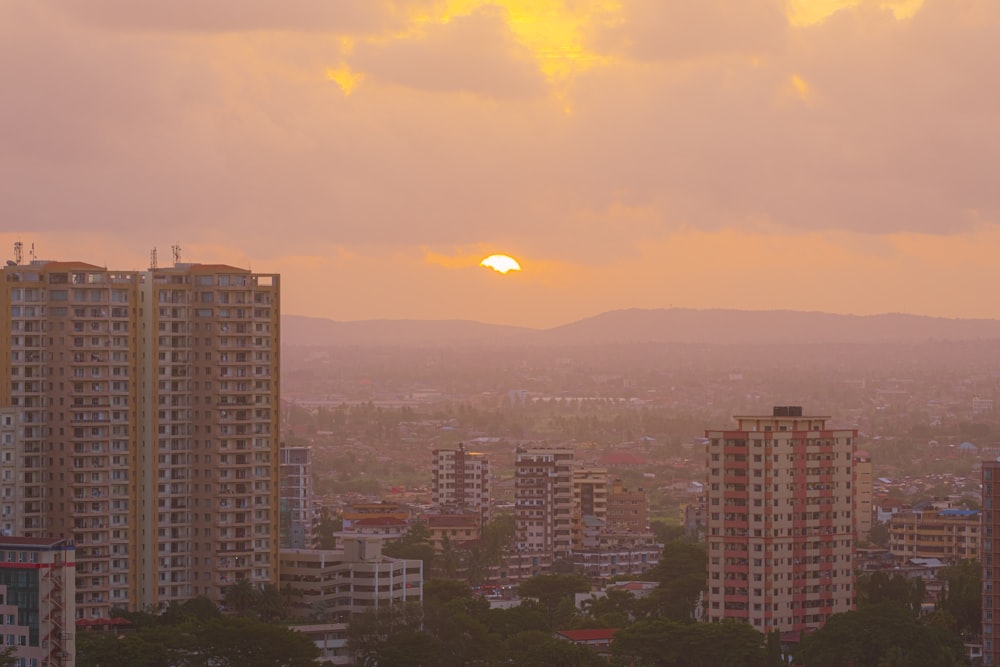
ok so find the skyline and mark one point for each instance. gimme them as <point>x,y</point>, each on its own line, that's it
<point>804,155</point>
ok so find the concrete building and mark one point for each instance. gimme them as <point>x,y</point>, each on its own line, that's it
<point>543,503</point>
<point>457,528</point>
<point>363,512</point>
<point>590,506</point>
<point>628,510</point>
<point>950,535</point>
<point>37,600</point>
<point>863,480</point>
<point>146,405</point>
<point>461,481</point>
<point>991,562</point>
<point>297,516</point>
<point>330,586</point>
<point>8,470</point>
<point>780,528</point>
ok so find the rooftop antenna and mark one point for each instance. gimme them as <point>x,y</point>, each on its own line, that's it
<point>31,253</point>
<point>18,250</point>
<point>152,258</point>
<point>176,249</point>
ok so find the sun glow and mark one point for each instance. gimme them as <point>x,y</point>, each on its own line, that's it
<point>501,264</point>
<point>553,30</point>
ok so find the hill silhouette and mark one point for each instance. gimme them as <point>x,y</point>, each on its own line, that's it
<point>674,325</point>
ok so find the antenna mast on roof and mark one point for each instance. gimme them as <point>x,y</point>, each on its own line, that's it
<point>31,253</point>
<point>18,249</point>
<point>152,258</point>
<point>176,249</point>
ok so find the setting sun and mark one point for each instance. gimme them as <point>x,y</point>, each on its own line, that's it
<point>501,263</point>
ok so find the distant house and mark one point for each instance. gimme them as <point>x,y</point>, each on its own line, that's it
<point>596,638</point>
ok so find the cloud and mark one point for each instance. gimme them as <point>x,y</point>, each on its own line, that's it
<point>682,30</point>
<point>220,16</point>
<point>476,54</point>
<point>224,130</point>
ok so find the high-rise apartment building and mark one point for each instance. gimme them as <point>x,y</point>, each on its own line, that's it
<point>297,516</point>
<point>146,405</point>
<point>8,470</point>
<point>461,481</point>
<point>543,505</point>
<point>780,528</point>
<point>590,506</point>
<point>863,483</point>
<point>991,562</point>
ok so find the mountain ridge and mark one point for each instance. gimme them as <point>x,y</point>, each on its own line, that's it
<point>636,325</point>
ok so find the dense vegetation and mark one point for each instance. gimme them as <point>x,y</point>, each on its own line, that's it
<point>196,634</point>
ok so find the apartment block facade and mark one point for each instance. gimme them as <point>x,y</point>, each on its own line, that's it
<point>37,600</point>
<point>590,506</point>
<point>948,534</point>
<point>543,503</point>
<point>991,562</point>
<point>146,410</point>
<point>461,481</point>
<point>297,515</point>
<point>780,527</point>
<point>864,483</point>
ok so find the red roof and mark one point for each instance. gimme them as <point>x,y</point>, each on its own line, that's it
<point>588,635</point>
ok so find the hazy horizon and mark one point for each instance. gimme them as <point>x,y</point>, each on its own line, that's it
<point>833,156</point>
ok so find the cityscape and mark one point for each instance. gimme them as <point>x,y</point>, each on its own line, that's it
<point>462,333</point>
<point>163,447</point>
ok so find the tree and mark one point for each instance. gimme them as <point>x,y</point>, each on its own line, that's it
<point>8,656</point>
<point>372,629</point>
<point>246,642</point>
<point>415,545</point>
<point>682,574</point>
<point>550,589</point>
<point>240,596</point>
<point>665,643</point>
<point>879,534</point>
<point>328,525</point>
<point>612,610</point>
<point>963,596</point>
<point>878,588</point>
<point>192,638</point>
<point>534,648</point>
<point>875,633</point>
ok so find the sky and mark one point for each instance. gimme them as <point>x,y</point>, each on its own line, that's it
<point>826,155</point>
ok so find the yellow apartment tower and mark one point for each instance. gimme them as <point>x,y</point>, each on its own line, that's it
<point>145,406</point>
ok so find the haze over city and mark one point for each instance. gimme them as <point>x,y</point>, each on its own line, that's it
<point>826,155</point>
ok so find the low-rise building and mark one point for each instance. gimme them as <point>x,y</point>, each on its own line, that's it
<point>38,599</point>
<point>948,534</point>
<point>456,528</point>
<point>332,585</point>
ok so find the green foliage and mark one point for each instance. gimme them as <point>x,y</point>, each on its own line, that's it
<point>551,589</point>
<point>879,534</point>
<point>534,648</point>
<point>879,588</point>
<point>415,545</point>
<point>665,643</point>
<point>191,634</point>
<point>8,656</point>
<point>682,575</point>
<point>877,634</point>
<point>963,598</point>
<point>666,533</point>
<point>328,525</point>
